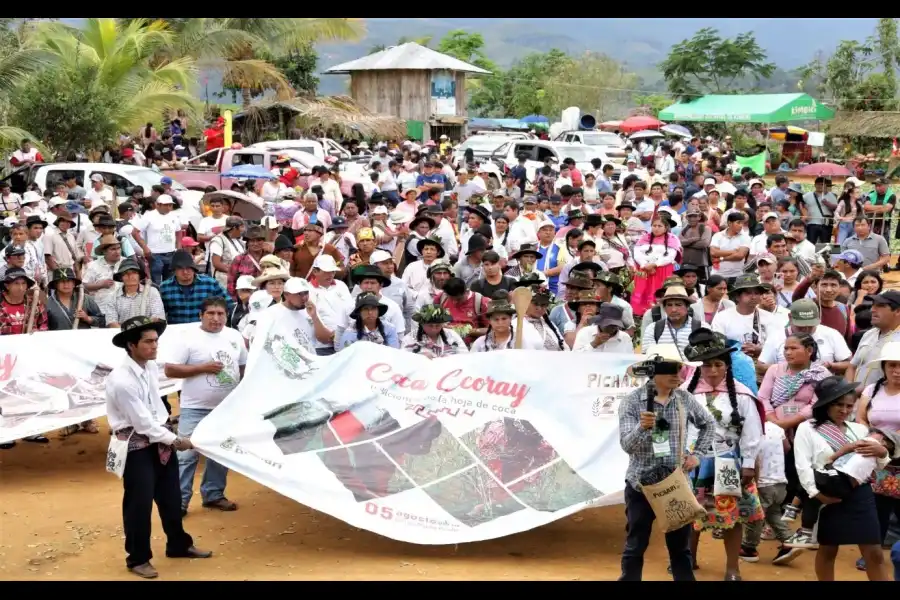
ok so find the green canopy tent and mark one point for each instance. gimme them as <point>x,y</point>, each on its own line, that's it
<point>749,108</point>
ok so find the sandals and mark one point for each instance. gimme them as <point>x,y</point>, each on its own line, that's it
<point>223,504</point>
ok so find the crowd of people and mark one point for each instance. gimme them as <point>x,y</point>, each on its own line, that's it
<point>765,308</point>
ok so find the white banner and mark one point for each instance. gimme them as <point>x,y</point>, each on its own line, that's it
<point>459,449</point>
<point>53,379</point>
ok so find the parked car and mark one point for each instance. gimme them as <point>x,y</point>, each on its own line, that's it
<point>608,143</point>
<point>482,146</point>
<point>208,168</point>
<point>320,148</point>
<point>122,178</point>
<point>538,151</point>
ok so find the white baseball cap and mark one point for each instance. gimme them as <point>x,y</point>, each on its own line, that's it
<point>296,285</point>
<point>269,222</point>
<point>259,300</point>
<point>30,196</point>
<point>709,181</point>
<point>96,177</point>
<point>380,210</point>
<point>770,215</point>
<point>326,263</point>
<point>380,256</point>
<point>245,282</point>
<point>57,201</point>
<point>164,199</point>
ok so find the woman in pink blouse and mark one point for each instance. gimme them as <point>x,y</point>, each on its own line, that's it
<point>787,393</point>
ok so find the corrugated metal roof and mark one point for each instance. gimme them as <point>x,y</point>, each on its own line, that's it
<point>406,56</point>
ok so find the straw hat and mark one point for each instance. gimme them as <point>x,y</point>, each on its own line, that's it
<point>668,353</point>
<point>271,273</point>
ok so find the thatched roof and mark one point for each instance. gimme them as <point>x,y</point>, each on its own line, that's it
<point>328,113</point>
<point>410,56</point>
<point>865,124</point>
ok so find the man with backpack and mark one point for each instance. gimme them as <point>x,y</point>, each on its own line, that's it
<point>677,325</point>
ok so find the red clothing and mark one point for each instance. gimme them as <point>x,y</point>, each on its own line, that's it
<point>13,317</point>
<point>215,137</point>
<point>289,177</point>
<point>18,163</point>
<point>577,178</point>
<point>464,313</point>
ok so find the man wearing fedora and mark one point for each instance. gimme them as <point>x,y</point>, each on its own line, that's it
<point>61,247</point>
<point>469,268</point>
<point>397,290</point>
<point>130,298</point>
<point>136,414</point>
<point>98,276</point>
<point>370,279</point>
<point>745,322</point>
<point>677,325</point>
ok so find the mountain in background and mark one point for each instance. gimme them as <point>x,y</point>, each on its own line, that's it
<point>639,43</point>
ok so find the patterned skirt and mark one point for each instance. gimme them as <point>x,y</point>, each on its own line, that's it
<point>724,512</point>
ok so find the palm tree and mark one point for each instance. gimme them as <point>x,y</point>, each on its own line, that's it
<point>17,64</point>
<point>120,58</point>
<point>237,47</point>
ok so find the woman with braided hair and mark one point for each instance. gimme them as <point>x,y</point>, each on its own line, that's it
<point>655,255</point>
<point>739,421</point>
<point>432,338</point>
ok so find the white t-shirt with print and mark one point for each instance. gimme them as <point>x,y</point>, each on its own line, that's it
<point>736,326</point>
<point>159,230</point>
<point>771,456</point>
<point>196,347</point>
<point>832,346</point>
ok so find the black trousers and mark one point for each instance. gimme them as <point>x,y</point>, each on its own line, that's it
<point>146,481</point>
<point>639,516</point>
<point>819,234</point>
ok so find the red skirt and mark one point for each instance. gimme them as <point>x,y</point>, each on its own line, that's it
<point>645,286</point>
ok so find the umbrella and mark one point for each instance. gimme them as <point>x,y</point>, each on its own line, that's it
<point>610,125</point>
<point>250,172</point>
<point>824,169</point>
<point>676,130</point>
<point>241,204</point>
<point>535,119</point>
<point>639,123</point>
<point>645,135</point>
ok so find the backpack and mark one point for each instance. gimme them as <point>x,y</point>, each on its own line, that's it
<point>478,298</point>
<point>660,325</point>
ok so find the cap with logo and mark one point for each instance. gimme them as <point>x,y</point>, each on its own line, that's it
<point>296,285</point>
<point>805,313</point>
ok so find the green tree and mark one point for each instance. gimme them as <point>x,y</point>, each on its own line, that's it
<point>887,46</point>
<point>595,83</point>
<point>298,67</point>
<point>653,104</point>
<point>69,110</point>
<point>710,64</point>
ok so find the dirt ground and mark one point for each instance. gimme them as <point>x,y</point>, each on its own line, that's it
<point>60,519</point>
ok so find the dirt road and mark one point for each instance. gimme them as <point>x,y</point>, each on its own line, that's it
<point>60,518</point>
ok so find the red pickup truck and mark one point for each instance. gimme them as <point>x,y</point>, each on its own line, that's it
<point>207,169</point>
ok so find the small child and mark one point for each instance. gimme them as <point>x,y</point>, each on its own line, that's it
<point>772,488</point>
<point>847,470</point>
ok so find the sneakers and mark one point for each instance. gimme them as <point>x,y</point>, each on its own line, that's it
<point>802,539</point>
<point>786,556</point>
<point>791,512</point>
<point>767,534</point>
<point>748,554</point>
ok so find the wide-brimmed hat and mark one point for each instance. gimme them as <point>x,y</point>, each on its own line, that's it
<point>586,265</point>
<point>611,280</point>
<point>668,353</point>
<point>369,272</point>
<point>890,351</point>
<point>432,240</point>
<point>574,214</point>
<point>579,280</point>
<point>706,344</point>
<point>831,389</point>
<point>479,210</point>
<point>137,325</point>
<point>271,273</point>
<point>676,292</point>
<point>627,205</point>
<point>254,232</point>
<point>421,218</point>
<point>527,249</point>
<point>593,220</point>
<point>476,243</point>
<point>439,265</point>
<point>124,267</point>
<point>65,215</point>
<point>609,314</point>
<point>432,313</point>
<point>338,223</point>
<point>62,274</point>
<point>687,268</point>
<point>107,240</point>
<point>35,220</point>
<point>500,305</point>
<point>182,259</point>
<point>17,273</point>
<point>748,281</point>
<point>796,187</point>
<point>367,299</point>
<point>584,297</point>
<point>530,280</point>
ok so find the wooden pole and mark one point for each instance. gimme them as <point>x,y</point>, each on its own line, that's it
<point>32,311</point>
<point>78,306</point>
<point>521,298</point>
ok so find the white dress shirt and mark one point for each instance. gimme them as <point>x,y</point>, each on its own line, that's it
<point>133,400</point>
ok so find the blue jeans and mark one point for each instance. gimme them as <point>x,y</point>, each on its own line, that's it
<point>212,488</point>
<point>895,558</point>
<point>160,266</point>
